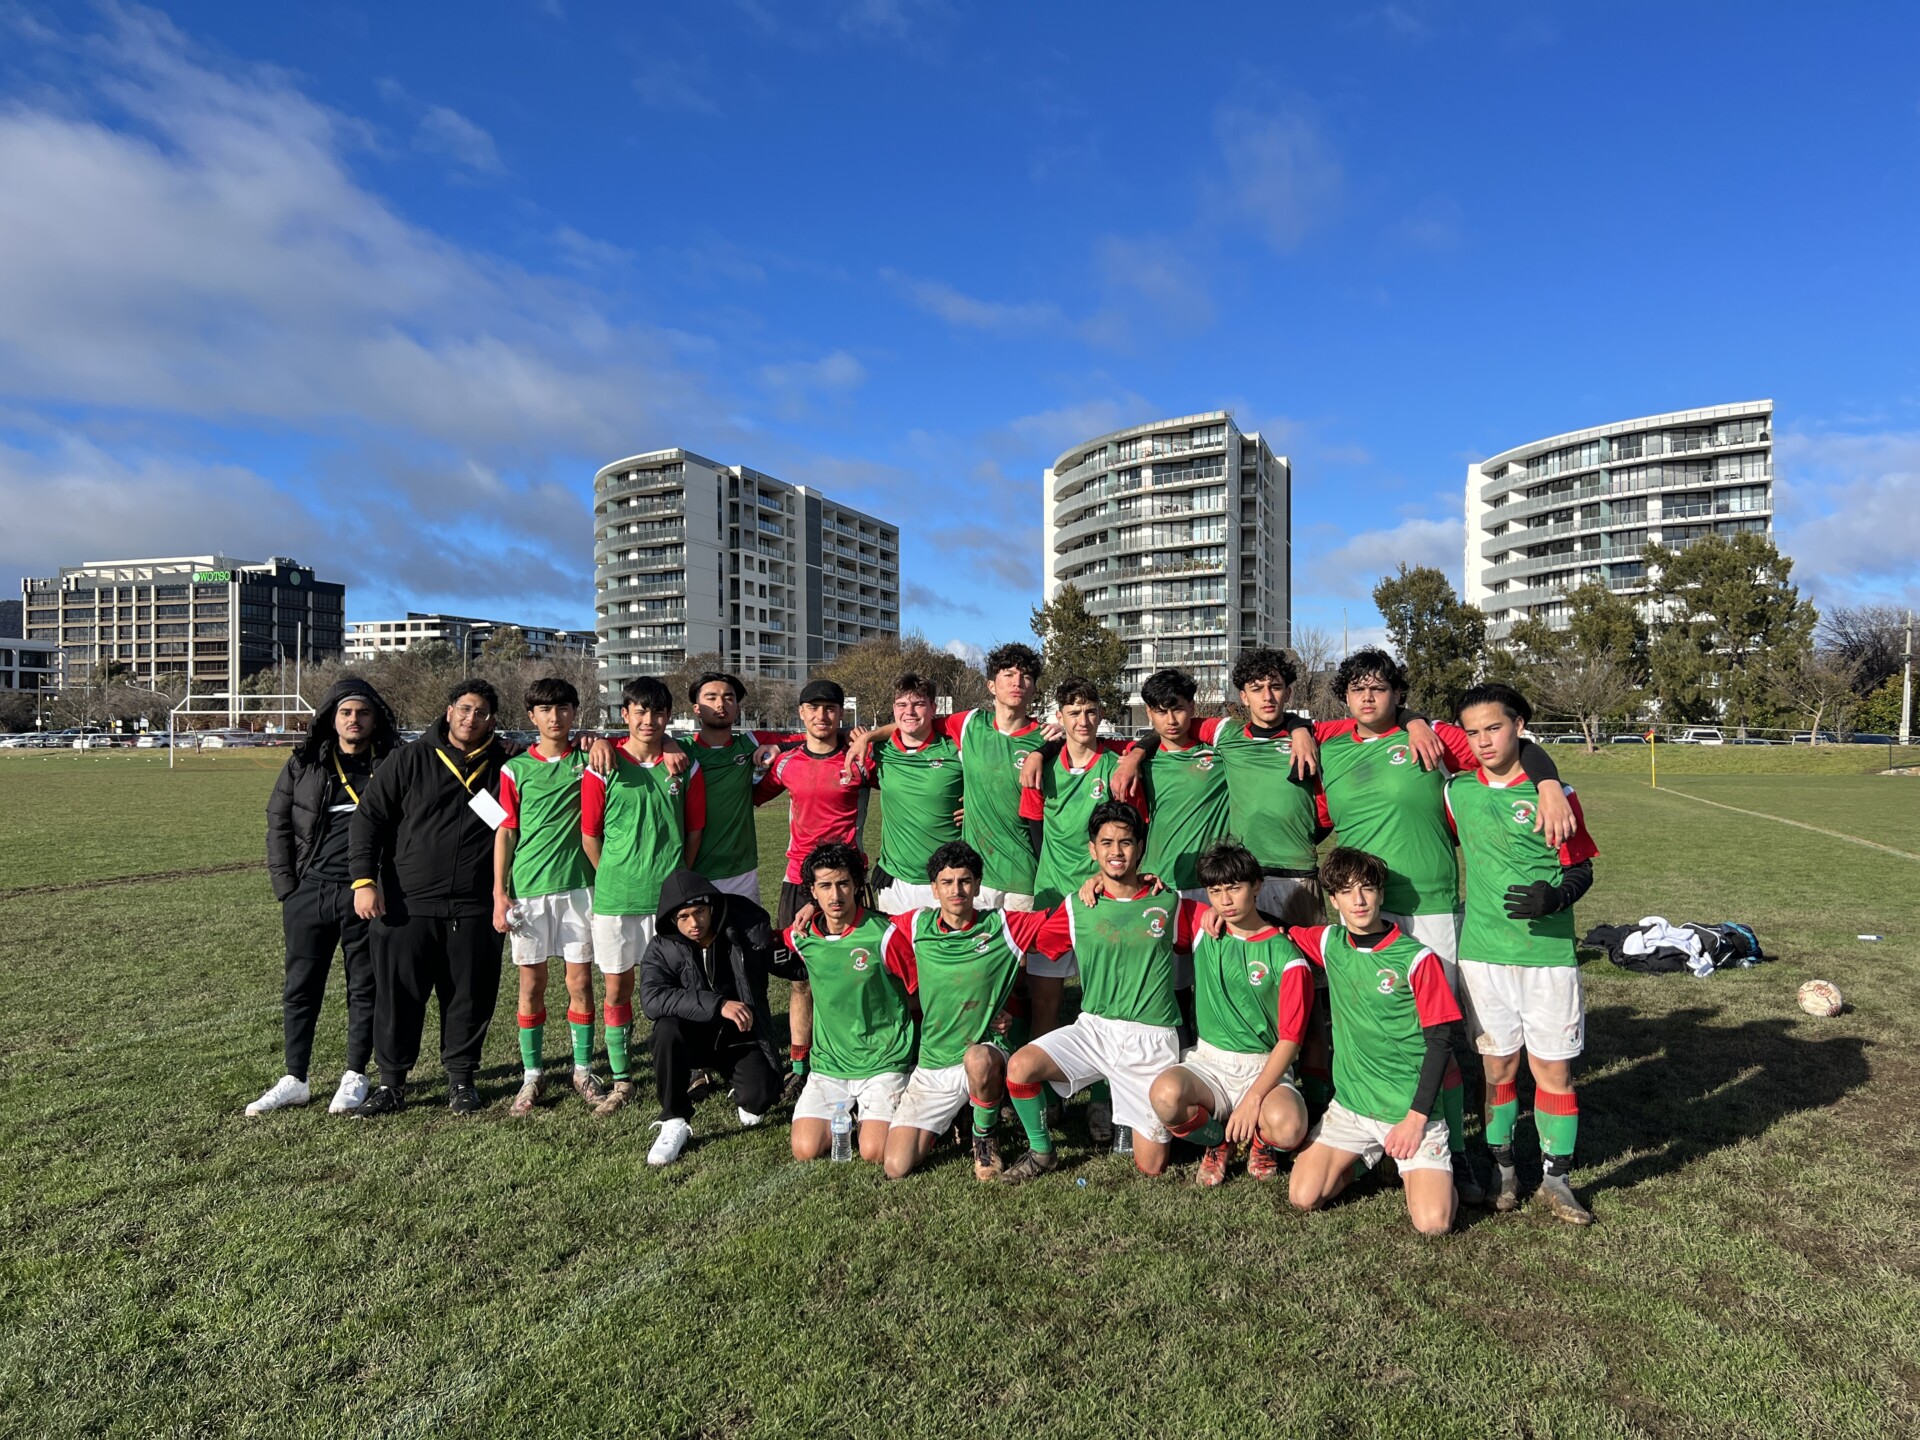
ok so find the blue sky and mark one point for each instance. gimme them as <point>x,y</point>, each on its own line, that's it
<point>381,286</point>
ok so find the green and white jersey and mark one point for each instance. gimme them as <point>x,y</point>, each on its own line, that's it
<point>727,846</point>
<point>542,801</point>
<point>1249,994</point>
<point>1501,848</point>
<point>1383,990</point>
<point>963,978</point>
<point>920,788</point>
<point>641,815</point>
<point>1273,814</point>
<point>1382,801</point>
<point>993,824</point>
<point>1188,806</point>
<point>1063,804</point>
<point>862,1025</point>
<point>1125,951</point>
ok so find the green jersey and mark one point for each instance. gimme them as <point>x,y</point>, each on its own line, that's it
<point>963,978</point>
<point>861,1024</point>
<point>1384,990</point>
<point>1382,801</point>
<point>641,815</point>
<point>1189,807</point>
<point>1500,847</point>
<point>1251,993</point>
<point>993,824</point>
<point>728,846</point>
<point>1273,814</point>
<point>1063,804</point>
<point>542,801</point>
<point>1125,951</point>
<point>919,793</point>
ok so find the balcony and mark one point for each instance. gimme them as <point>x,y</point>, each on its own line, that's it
<point>639,482</point>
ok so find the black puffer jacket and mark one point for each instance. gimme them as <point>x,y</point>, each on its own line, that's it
<point>678,977</point>
<point>415,833</point>
<point>297,815</point>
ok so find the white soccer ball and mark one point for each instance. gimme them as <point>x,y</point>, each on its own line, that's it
<point>1822,998</point>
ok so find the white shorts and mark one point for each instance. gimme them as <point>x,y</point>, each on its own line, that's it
<point>1226,1073</point>
<point>1282,895</point>
<point>1541,1008</point>
<point>874,1098</point>
<point>746,885</point>
<point>1125,1054</point>
<point>989,899</point>
<point>932,1098</point>
<point>1440,933</point>
<point>1039,964</point>
<point>619,941</point>
<point>1341,1129</point>
<point>555,927</point>
<point>900,897</point>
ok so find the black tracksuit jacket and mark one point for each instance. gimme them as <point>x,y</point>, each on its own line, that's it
<point>415,834</point>
<point>297,815</point>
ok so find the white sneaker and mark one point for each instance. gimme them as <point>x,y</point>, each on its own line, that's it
<point>351,1095</point>
<point>284,1091</point>
<point>672,1139</point>
<point>748,1118</point>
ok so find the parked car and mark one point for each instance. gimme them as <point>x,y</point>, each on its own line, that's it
<point>1859,739</point>
<point>1750,740</point>
<point>1626,739</point>
<point>1700,735</point>
<point>1807,737</point>
<point>18,742</point>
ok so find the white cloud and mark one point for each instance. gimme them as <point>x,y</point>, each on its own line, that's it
<point>974,655</point>
<point>940,299</point>
<point>1352,568</point>
<point>445,131</point>
<point>1281,173</point>
<point>685,85</point>
<point>1848,513</point>
<point>1436,224</point>
<point>794,383</point>
<point>1155,269</point>
<point>1054,430</point>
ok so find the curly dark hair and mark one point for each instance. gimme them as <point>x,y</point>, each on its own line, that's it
<point>1265,663</point>
<point>835,855</point>
<point>1228,862</point>
<point>955,855</point>
<point>1345,866</point>
<point>1013,656</point>
<point>1372,663</point>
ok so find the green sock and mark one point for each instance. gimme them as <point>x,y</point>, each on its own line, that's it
<point>1503,1110</point>
<point>619,1032</point>
<point>1316,1088</point>
<point>1453,1109</point>
<point>986,1118</point>
<point>533,1033</point>
<point>1556,1115</point>
<point>1032,1110</point>
<point>580,1022</point>
<point>1210,1134</point>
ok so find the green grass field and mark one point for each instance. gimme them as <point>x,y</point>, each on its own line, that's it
<point>171,1268</point>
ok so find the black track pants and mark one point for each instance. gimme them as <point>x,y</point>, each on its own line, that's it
<point>318,919</point>
<point>420,957</point>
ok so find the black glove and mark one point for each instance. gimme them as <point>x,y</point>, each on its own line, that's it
<point>1530,902</point>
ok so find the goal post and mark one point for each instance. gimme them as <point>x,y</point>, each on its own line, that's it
<point>231,703</point>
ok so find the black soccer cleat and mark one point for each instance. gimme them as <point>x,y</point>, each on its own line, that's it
<point>385,1100</point>
<point>463,1099</point>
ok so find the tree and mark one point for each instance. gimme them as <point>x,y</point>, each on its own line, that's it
<point>1440,640</point>
<point>1074,642</point>
<point>1817,686</point>
<point>1601,623</point>
<point>1728,604</point>
<point>1870,638</point>
<point>868,671</point>
<point>505,645</point>
<point>16,710</point>
<point>1593,690</point>
<point>1880,712</point>
<point>1316,659</point>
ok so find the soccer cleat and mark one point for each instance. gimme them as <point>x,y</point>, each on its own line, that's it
<point>748,1120</point>
<point>1213,1165</point>
<point>463,1098</point>
<point>1506,1197</point>
<point>531,1089</point>
<point>385,1100</point>
<point>1030,1165</point>
<point>1100,1122</point>
<point>1263,1161</point>
<point>587,1085</point>
<point>1558,1197</point>
<point>351,1094</point>
<point>283,1092</point>
<point>986,1157</point>
<point>1466,1181</point>
<point>619,1095</point>
<point>671,1140</point>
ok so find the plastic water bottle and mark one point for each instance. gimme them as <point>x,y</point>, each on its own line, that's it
<point>842,1126</point>
<point>1123,1140</point>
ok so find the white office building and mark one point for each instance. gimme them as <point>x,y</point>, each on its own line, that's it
<point>29,664</point>
<point>463,634</point>
<point>1179,535</point>
<point>1547,517</point>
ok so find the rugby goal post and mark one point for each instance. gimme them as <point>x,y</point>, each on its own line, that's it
<point>231,703</point>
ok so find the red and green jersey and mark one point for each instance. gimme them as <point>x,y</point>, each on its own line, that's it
<point>993,825</point>
<point>825,803</point>
<point>920,789</point>
<point>642,816</point>
<point>1273,814</point>
<point>1501,848</point>
<point>1188,801</point>
<point>1063,804</point>
<point>862,1025</point>
<point>963,977</point>
<point>728,846</point>
<point>1125,950</point>
<point>542,801</point>
<point>1250,993</point>
<point>1383,991</point>
<point>1381,801</point>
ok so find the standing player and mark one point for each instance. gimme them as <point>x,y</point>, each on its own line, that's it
<point>540,860</point>
<point>917,771</point>
<point>863,1023</point>
<point>1253,991</point>
<point>1392,1014</point>
<point>1517,963</point>
<point>638,825</point>
<point>729,849</point>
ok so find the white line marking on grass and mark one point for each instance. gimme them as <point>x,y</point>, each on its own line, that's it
<point>1781,819</point>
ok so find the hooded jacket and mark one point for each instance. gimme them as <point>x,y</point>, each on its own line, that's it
<point>297,814</point>
<point>416,834</point>
<point>680,978</point>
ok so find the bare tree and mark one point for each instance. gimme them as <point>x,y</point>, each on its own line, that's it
<point>1870,638</point>
<point>1317,658</point>
<point>1817,685</point>
<point>1590,689</point>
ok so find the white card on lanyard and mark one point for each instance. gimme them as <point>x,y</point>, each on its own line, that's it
<point>487,808</point>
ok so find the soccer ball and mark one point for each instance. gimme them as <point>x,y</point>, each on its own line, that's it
<point>1822,998</point>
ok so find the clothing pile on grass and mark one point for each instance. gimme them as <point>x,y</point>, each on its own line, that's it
<point>1656,946</point>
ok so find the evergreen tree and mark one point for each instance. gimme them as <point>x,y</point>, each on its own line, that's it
<point>1074,642</point>
<point>1440,640</point>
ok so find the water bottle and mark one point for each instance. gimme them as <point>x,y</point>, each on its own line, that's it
<point>842,1126</point>
<point>1123,1140</point>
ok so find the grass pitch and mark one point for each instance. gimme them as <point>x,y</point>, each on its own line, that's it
<point>168,1267</point>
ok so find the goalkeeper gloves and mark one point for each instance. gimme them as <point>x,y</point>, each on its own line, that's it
<point>1530,902</point>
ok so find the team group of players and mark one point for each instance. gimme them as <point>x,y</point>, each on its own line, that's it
<point>1177,874</point>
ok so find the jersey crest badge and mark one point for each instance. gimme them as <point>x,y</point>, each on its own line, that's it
<point>1156,919</point>
<point>1256,972</point>
<point>1399,755</point>
<point>1099,789</point>
<point>1205,762</point>
<point>1523,812</point>
<point>674,786</point>
<point>1389,979</point>
<point>862,958</point>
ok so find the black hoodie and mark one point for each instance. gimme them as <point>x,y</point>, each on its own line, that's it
<point>299,812</point>
<point>417,835</point>
<point>689,982</point>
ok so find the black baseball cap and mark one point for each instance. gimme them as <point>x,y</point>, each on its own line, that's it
<point>822,692</point>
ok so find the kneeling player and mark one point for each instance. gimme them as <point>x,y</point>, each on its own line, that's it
<point>862,1023</point>
<point>1393,1018</point>
<point>1253,993</point>
<point>962,961</point>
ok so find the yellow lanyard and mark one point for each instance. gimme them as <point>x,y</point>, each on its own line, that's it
<point>352,794</point>
<point>466,781</point>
